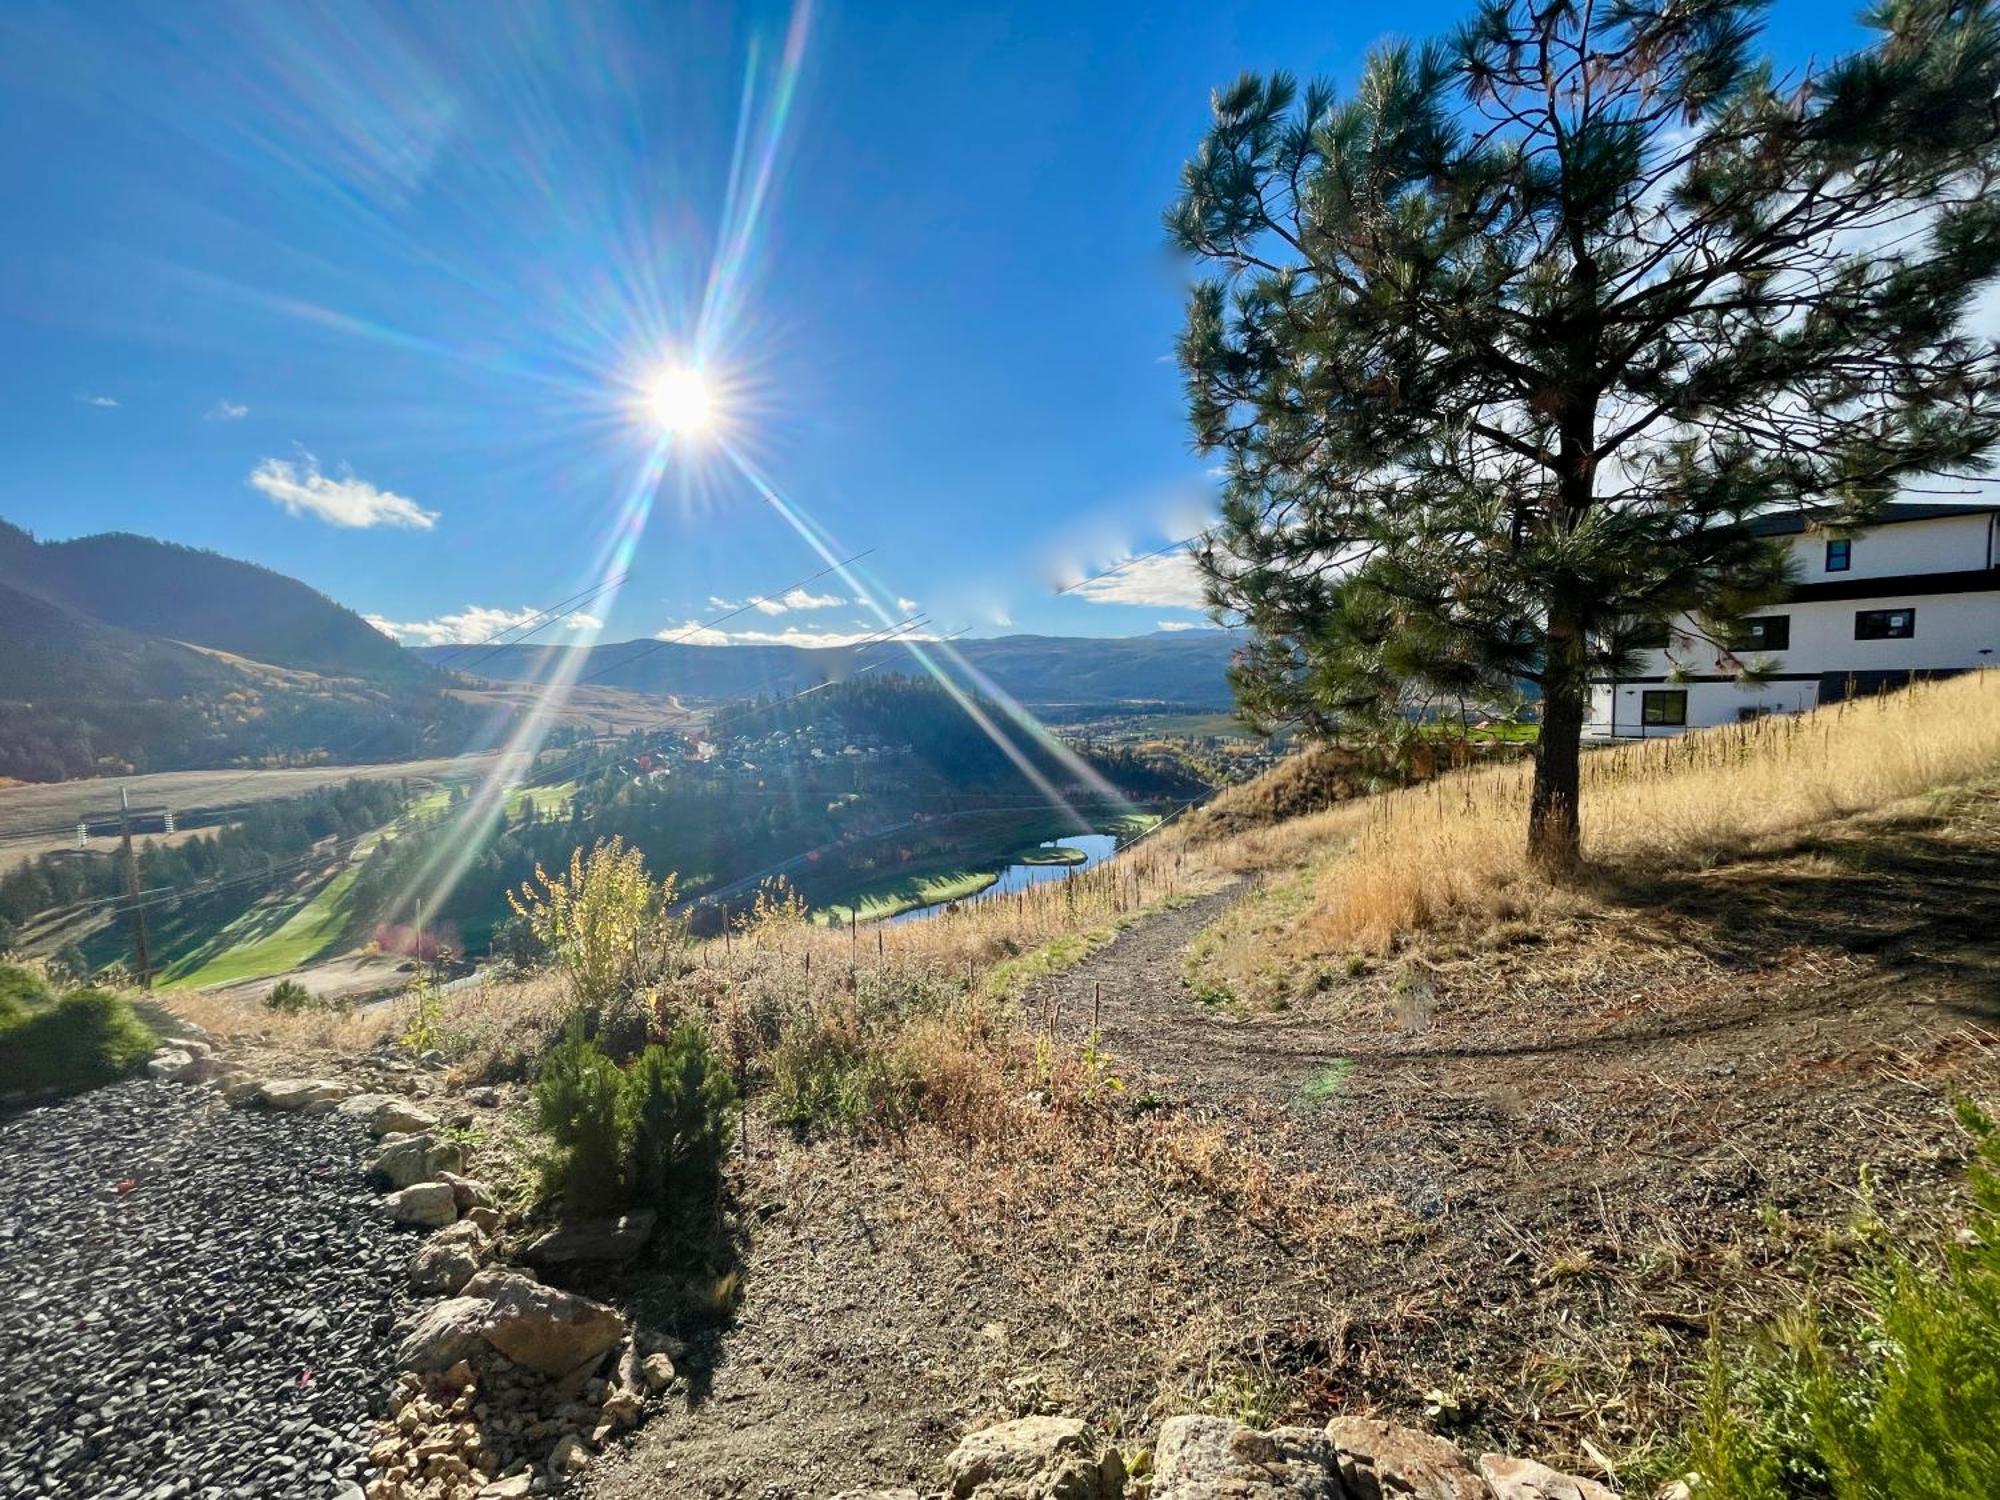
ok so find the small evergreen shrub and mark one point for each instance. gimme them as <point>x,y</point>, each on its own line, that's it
<point>649,1136</point>
<point>580,1106</point>
<point>1902,1405</point>
<point>79,1041</point>
<point>289,997</point>
<point>679,1097</point>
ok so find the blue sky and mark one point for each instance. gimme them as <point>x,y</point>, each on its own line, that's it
<point>275,271</point>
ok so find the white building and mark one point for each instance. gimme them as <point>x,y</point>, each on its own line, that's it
<point>1915,594</point>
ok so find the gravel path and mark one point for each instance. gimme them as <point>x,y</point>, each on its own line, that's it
<point>194,1300</point>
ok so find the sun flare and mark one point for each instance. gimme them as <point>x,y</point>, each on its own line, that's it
<point>681,401</point>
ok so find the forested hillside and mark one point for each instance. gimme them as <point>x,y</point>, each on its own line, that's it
<point>127,654</point>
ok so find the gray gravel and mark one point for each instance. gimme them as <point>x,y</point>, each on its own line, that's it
<point>194,1300</point>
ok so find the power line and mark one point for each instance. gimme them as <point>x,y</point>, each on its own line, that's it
<point>1131,562</point>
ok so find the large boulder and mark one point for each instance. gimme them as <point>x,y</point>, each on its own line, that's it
<point>449,1259</point>
<point>1035,1458</point>
<point>426,1204</point>
<point>301,1093</point>
<point>1202,1458</point>
<point>1381,1462</point>
<point>1524,1479</point>
<point>551,1332</point>
<point>469,1191</point>
<point>599,1240</point>
<point>414,1159</point>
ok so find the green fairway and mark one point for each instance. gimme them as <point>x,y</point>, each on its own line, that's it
<point>250,948</point>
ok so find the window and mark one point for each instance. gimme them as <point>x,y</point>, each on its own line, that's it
<point>1764,633</point>
<point>1885,624</point>
<point>1751,715</point>
<point>1839,553</point>
<point>1669,706</point>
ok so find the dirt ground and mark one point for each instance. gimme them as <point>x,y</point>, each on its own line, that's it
<point>1500,1188</point>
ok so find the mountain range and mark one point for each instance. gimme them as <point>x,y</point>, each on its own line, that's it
<point>126,653</point>
<point>1182,668</point>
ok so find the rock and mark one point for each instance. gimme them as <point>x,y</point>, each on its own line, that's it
<point>425,1203</point>
<point>449,1259</point>
<point>513,1487</point>
<point>1679,1489</point>
<point>1381,1462</point>
<point>1035,1458</point>
<point>432,1059</point>
<point>487,1219</point>
<point>468,1192</point>
<point>658,1371</point>
<point>572,1455</point>
<point>877,1495</point>
<point>551,1332</point>
<point>239,1088</point>
<point>444,1333</point>
<point>297,1093</point>
<point>417,1158</point>
<point>621,1409</point>
<point>394,1116</point>
<point>602,1239</point>
<point>1202,1457</point>
<point>175,1065</point>
<point>1524,1479</point>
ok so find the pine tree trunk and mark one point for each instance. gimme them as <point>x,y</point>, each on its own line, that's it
<point>1554,845</point>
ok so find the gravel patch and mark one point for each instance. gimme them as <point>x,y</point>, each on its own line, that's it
<point>194,1300</point>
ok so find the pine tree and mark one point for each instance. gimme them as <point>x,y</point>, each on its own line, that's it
<point>1499,353</point>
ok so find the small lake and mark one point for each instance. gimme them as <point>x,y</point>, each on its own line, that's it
<point>1096,847</point>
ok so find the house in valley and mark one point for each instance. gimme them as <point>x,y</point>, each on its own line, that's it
<point>1915,594</point>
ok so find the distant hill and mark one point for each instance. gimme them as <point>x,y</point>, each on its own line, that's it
<point>1182,668</point>
<point>122,653</point>
<point>163,589</point>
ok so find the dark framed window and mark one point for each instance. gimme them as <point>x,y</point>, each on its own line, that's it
<point>1839,555</point>
<point>1664,706</point>
<point>1885,624</point>
<point>1764,633</point>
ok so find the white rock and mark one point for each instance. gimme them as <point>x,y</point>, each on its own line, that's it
<point>1201,1457</point>
<point>172,1065</point>
<point>1035,1456</point>
<point>658,1371</point>
<point>443,1334</point>
<point>513,1487</point>
<point>394,1116</point>
<point>297,1093</point>
<point>425,1203</point>
<point>1524,1479</point>
<point>550,1331</point>
<point>414,1159</point>
<point>470,1192</point>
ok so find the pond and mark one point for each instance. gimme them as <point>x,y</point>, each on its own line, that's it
<point>1096,847</point>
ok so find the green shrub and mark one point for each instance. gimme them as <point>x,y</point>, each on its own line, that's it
<point>21,990</point>
<point>289,996</point>
<point>580,1106</point>
<point>650,1136</point>
<point>83,1039</point>
<point>678,1097</point>
<point>1902,1404</point>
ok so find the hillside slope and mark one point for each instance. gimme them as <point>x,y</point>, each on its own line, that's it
<point>157,588</point>
<point>1185,668</point>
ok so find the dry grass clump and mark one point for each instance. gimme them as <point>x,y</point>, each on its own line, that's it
<point>1416,857</point>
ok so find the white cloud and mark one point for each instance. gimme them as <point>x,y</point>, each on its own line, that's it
<point>476,622</point>
<point>344,501</point>
<point>694,633</point>
<point>906,606</point>
<point>1167,581</point>
<point>226,410</point>
<point>1178,624</point>
<point>90,400</point>
<point>783,604</point>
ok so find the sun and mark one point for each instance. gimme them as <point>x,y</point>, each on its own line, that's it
<point>681,401</point>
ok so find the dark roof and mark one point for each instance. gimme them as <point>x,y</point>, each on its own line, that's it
<point>1792,522</point>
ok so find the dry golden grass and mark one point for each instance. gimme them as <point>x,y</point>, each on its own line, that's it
<point>1407,860</point>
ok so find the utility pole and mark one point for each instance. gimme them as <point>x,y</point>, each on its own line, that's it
<point>132,892</point>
